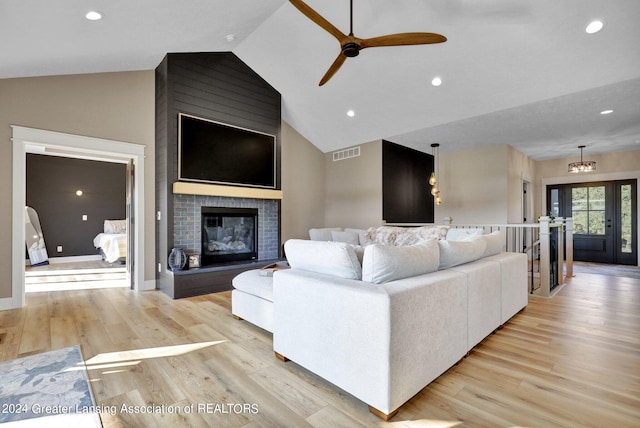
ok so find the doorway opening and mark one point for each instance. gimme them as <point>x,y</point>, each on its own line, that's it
<point>77,229</point>
<point>604,216</point>
<point>27,140</point>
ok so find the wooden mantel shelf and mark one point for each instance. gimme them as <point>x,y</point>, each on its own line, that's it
<point>183,188</point>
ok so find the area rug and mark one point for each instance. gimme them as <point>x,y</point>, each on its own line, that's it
<point>49,389</point>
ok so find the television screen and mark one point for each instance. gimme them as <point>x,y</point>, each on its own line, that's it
<point>217,153</point>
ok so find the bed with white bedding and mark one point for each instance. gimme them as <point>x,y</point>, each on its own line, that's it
<point>113,241</point>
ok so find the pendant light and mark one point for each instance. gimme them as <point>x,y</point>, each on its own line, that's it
<point>582,166</point>
<point>433,181</point>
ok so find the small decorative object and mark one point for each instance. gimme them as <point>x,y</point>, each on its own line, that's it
<point>177,259</point>
<point>194,261</point>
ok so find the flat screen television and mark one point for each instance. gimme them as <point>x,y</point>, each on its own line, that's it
<point>218,153</point>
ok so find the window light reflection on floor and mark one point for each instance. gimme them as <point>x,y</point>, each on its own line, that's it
<point>135,356</point>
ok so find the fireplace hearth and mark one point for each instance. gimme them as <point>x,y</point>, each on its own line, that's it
<point>228,234</point>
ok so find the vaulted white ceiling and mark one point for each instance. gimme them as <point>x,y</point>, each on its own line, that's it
<point>519,72</point>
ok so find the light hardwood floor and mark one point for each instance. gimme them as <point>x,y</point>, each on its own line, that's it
<point>571,361</point>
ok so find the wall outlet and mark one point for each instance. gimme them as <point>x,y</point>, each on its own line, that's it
<point>59,248</point>
<point>84,217</point>
<point>158,216</point>
<point>159,267</point>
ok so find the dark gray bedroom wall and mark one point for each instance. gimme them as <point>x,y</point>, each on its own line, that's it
<point>52,183</point>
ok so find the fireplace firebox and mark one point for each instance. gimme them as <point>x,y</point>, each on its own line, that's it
<point>228,234</point>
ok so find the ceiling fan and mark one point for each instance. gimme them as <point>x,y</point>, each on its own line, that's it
<point>352,45</point>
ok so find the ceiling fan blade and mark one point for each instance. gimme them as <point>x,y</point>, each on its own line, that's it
<point>401,39</point>
<point>318,19</point>
<point>333,69</point>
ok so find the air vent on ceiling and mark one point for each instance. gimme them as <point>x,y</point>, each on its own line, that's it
<point>353,152</point>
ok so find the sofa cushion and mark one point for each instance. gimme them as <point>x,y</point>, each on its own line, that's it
<point>348,237</point>
<point>453,253</point>
<point>251,282</point>
<point>384,263</point>
<point>393,235</point>
<point>330,258</point>
<point>323,233</point>
<point>495,243</point>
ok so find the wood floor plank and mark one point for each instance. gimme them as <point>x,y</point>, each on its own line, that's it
<point>573,360</point>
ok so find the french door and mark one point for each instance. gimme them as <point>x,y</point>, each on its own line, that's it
<point>604,219</point>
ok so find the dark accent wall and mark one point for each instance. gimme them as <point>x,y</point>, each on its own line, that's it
<point>51,190</point>
<point>216,86</point>
<point>406,194</point>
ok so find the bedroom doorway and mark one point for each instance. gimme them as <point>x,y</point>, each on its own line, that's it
<point>81,207</point>
<point>29,139</point>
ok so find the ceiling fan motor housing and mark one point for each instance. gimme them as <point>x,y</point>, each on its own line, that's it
<point>350,49</point>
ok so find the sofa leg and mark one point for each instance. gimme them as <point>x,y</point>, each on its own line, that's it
<point>281,357</point>
<point>382,415</point>
<point>237,317</point>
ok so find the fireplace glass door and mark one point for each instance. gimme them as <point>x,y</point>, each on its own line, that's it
<point>228,234</point>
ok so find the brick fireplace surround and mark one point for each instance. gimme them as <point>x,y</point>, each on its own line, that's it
<point>186,221</point>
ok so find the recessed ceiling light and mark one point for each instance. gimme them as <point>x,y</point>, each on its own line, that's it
<point>594,26</point>
<point>606,112</point>
<point>230,37</point>
<point>351,113</point>
<point>436,81</point>
<point>93,15</point>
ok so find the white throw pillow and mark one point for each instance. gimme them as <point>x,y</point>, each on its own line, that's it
<point>495,243</point>
<point>384,263</point>
<point>454,253</point>
<point>362,233</point>
<point>323,233</point>
<point>348,237</point>
<point>330,258</point>
<point>460,234</point>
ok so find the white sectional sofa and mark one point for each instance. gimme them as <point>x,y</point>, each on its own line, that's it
<point>384,320</point>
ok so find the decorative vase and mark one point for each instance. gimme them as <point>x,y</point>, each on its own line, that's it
<point>177,259</point>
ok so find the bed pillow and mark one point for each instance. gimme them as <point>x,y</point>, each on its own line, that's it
<point>384,263</point>
<point>115,226</point>
<point>454,253</point>
<point>330,258</point>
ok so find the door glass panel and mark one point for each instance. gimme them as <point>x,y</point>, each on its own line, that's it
<point>580,222</point>
<point>596,198</point>
<point>625,218</point>
<point>555,203</point>
<point>579,199</point>
<point>588,210</point>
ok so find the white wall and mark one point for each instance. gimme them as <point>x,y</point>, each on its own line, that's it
<point>474,186</point>
<point>354,189</point>
<point>303,185</point>
<point>114,106</point>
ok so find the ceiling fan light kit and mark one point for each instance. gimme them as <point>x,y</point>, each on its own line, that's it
<point>350,45</point>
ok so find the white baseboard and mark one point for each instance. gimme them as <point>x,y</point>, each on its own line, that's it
<point>149,284</point>
<point>8,303</point>
<point>71,259</point>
